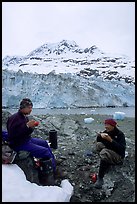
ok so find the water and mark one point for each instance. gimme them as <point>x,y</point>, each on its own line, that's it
<point>129,111</point>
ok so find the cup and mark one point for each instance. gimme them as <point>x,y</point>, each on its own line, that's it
<point>93,177</point>
<point>36,123</point>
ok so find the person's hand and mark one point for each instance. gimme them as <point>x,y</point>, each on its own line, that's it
<point>106,137</point>
<point>98,133</point>
<point>31,123</point>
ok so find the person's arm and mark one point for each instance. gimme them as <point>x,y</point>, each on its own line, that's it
<point>17,128</point>
<point>117,143</point>
<point>100,137</point>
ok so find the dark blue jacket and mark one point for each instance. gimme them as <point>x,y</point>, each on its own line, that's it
<point>118,143</point>
<point>18,132</point>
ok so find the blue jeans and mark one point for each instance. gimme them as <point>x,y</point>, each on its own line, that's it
<point>38,148</point>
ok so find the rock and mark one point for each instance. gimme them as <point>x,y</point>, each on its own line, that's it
<point>27,164</point>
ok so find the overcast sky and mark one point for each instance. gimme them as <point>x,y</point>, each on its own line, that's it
<point>108,25</point>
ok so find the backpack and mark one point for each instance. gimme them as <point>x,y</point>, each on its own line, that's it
<point>4,136</point>
<point>8,154</point>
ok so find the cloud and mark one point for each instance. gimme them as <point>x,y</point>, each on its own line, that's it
<point>104,24</point>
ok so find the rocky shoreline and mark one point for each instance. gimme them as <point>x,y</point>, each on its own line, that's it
<point>76,142</point>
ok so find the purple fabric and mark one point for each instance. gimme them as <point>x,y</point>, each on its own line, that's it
<point>38,148</point>
<point>18,132</point>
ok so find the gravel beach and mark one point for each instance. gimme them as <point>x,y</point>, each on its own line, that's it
<point>77,156</point>
<point>76,145</point>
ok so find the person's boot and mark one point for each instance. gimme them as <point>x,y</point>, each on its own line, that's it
<point>46,174</point>
<point>60,174</point>
<point>99,183</point>
<point>102,170</point>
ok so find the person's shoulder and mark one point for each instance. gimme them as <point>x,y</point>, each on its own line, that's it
<point>121,132</point>
<point>14,115</point>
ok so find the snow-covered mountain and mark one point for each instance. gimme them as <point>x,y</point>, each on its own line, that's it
<point>62,75</point>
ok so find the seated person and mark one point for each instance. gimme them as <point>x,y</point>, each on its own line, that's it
<point>111,146</point>
<point>19,129</point>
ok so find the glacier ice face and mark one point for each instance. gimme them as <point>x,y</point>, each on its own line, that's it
<point>64,91</point>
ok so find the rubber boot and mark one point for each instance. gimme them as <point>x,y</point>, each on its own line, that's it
<point>104,166</point>
<point>46,174</point>
<point>99,183</point>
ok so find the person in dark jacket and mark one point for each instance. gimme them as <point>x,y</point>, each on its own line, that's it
<point>19,129</point>
<point>111,145</point>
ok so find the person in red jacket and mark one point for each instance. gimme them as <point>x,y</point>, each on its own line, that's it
<point>111,146</point>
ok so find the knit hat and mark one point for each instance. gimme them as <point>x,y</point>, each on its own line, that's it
<point>110,121</point>
<point>25,103</point>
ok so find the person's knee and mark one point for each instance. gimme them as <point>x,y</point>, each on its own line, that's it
<point>99,146</point>
<point>104,155</point>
